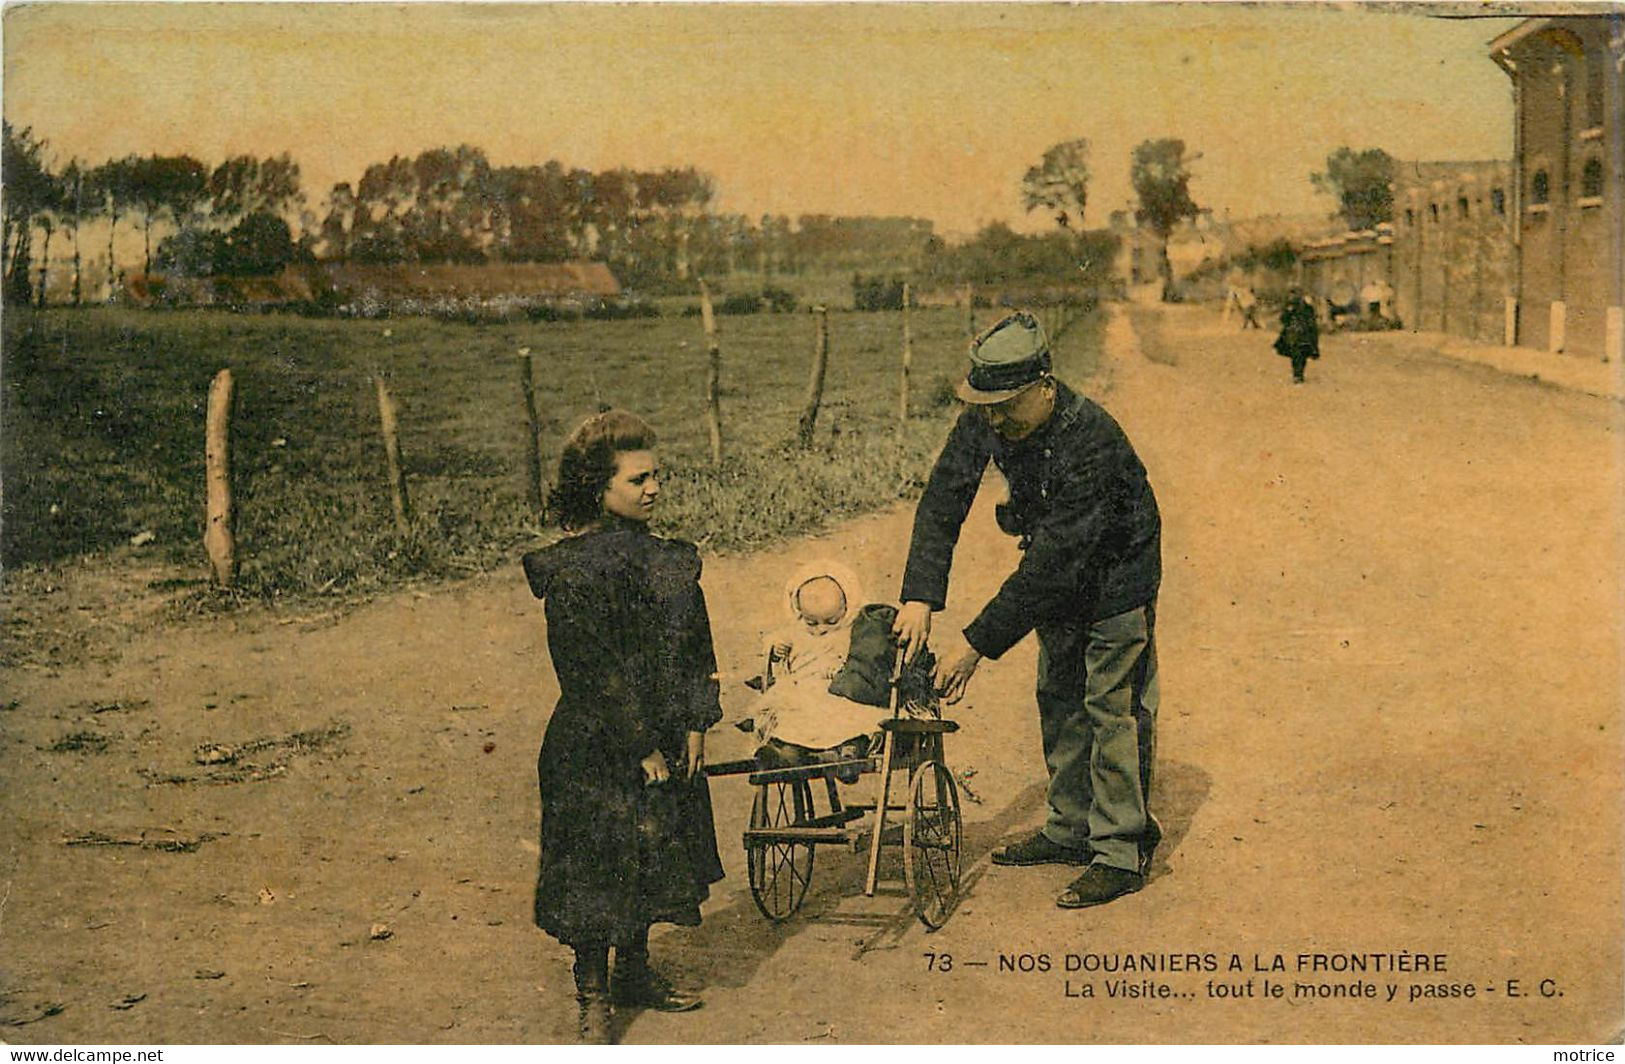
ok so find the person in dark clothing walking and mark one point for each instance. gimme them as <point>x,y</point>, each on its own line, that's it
<point>1300,333</point>
<point>627,837</point>
<point>1087,583</point>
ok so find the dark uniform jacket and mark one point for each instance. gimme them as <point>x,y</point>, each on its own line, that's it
<point>631,644</point>
<point>1080,502</point>
<point>1300,333</point>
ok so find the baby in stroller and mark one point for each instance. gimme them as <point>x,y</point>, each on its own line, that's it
<point>826,683</point>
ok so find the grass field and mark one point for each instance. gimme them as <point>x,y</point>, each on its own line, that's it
<point>101,432</point>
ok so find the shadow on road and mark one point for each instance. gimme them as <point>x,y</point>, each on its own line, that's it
<point>1178,791</point>
<point>735,940</point>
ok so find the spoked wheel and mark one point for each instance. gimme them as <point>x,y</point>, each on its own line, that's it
<point>931,843</point>
<point>780,872</point>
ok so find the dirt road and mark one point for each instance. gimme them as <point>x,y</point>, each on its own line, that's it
<point>1390,643</point>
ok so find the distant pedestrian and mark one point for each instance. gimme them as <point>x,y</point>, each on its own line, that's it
<point>1247,301</point>
<point>1300,335</point>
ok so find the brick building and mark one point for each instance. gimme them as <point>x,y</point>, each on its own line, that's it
<point>1568,278</point>
<point>1451,256</point>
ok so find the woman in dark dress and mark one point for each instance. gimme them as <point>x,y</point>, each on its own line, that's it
<point>627,835</point>
<point>1300,333</point>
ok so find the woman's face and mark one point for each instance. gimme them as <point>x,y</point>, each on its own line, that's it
<point>634,487</point>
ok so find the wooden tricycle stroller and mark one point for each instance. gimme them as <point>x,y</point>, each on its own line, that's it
<point>787,824</point>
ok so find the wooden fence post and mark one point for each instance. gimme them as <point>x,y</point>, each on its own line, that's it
<point>217,530</point>
<point>392,456</point>
<point>970,313</point>
<point>815,383</point>
<point>533,438</point>
<point>713,377</point>
<point>908,359</point>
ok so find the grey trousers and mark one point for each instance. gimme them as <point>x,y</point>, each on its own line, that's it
<point>1097,709</point>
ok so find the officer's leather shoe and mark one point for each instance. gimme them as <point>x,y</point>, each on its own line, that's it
<point>1037,849</point>
<point>645,988</point>
<point>1098,885</point>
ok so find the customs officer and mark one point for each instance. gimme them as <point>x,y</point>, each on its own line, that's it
<point>1087,583</point>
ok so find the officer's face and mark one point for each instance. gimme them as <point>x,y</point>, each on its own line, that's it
<point>1020,415</point>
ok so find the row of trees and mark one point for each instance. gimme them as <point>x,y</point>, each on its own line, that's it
<point>229,219</point>
<point>444,205</point>
<point>999,255</point>
<point>452,205</point>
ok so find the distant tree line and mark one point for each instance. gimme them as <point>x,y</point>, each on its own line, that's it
<point>451,205</point>
<point>248,216</point>
<point>231,219</point>
<point>1000,255</point>
<point>654,227</point>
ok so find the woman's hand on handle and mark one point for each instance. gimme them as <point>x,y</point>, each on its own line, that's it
<point>696,753</point>
<point>655,769</point>
<point>913,628</point>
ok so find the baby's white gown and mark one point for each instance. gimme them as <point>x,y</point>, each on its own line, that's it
<point>798,708</point>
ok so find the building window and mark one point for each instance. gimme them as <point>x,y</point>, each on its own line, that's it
<point>1433,212</point>
<point>1498,200</point>
<point>1410,218</point>
<point>1596,91</point>
<point>1591,184</point>
<point>1591,179</point>
<point>1462,210</point>
<point>1540,189</point>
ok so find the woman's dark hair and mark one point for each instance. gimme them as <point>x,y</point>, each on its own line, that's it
<point>587,464</point>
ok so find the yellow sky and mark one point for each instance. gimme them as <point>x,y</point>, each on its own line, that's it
<point>933,110</point>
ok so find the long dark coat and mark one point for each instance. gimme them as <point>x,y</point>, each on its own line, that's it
<point>1300,333</point>
<point>631,644</point>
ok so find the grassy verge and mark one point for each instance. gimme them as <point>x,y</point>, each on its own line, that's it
<point>101,433</point>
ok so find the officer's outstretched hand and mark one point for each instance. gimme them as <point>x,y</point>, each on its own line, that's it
<point>913,628</point>
<point>954,670</point>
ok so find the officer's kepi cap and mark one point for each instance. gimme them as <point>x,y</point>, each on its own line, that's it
<point>1007,359</point>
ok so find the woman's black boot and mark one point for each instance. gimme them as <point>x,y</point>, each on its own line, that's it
<point>592,996</point>
<point>637,985</point>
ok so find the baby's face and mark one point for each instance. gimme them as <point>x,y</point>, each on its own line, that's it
<point>820,604</point>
